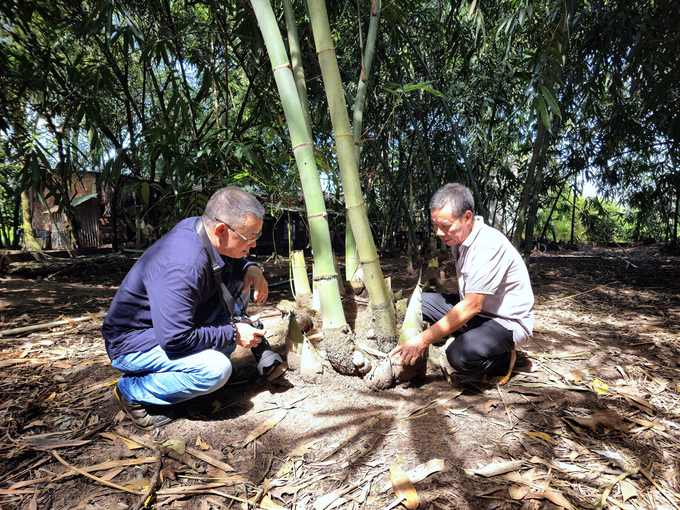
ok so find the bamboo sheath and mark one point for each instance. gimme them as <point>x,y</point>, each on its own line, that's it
<point>331,304</point>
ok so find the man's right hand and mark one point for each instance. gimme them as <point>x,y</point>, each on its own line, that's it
<point>248,336</point>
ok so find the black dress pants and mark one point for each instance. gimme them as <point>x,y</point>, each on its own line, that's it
<point>481,346</point>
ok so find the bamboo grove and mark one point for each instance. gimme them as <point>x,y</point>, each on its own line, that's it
<point>524,102</point>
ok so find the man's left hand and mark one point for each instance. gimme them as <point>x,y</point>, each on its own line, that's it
<point>410,351</point>
<point>255,278</point>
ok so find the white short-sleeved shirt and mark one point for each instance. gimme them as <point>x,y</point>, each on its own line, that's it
<point>488,264</point>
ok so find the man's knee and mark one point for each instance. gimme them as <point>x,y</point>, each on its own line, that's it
<point>214,373</point>
<point>462,358</point>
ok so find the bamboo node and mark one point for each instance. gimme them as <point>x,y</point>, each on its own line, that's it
<point>326,277</point>
<point>344,135</point>
<point>363,263</point>
<point>318,215</point>
<point>329,48</point>
<point>355,206</point>
<point>296,147</point>
<point>282,66</point>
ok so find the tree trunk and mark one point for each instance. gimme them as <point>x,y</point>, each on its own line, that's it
<point>26,210</point>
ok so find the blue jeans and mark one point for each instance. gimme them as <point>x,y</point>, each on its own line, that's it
<point>150,377</point>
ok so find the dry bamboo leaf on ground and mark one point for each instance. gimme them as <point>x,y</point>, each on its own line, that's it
<point>628,490</point>
<point>128,442</point>
<point>211,460</point>
<point>109,465</point>
<point>403,488</point>
<point>496,468</point>
<point>559,466</point>
<point>271,422</point>
<point>518,491</point>
<point>264,502</point>
<point>554,497</point>
<point>420,472</point>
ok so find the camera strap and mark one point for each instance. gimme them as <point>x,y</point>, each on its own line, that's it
<point>225,296</point>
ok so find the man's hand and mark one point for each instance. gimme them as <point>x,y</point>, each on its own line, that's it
<point>255,277</point>
<point>248,336</point>
<point>410,351</point>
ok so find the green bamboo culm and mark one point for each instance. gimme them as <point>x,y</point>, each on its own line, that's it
<point>381,303</point>
<point>296,61</point>
<point>357,122</point>
<point>303,292</point>
<point>337,335</point>
<point>350,252</point>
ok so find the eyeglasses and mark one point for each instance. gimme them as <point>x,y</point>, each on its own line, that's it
<point>246,239</point>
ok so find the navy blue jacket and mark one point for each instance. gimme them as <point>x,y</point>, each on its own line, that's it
<point>167,296</point>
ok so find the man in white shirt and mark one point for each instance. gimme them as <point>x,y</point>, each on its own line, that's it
<point>491,315</point>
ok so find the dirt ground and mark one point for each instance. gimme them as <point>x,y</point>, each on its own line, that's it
<point>592,418</point>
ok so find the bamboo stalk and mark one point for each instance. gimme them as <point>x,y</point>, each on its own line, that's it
<point>383,307</point>
<point>332,313</point>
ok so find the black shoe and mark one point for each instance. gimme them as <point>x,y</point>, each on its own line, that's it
<point>145,417</point>
<point>242,374</point>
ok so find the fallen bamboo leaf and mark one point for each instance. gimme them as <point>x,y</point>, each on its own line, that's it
<point>202,444</point>
<point>554,497</point>
<point>264,502</point>
<point>539,435</point>
<point>559,466</point>
<point>26,483</point>
<point>403,488</point>
<point>600,387</point>
<point>628,490</point>
<point>129,442</point>
<point>271,422</point>
<point>178,446</point>
<point>647,423</point>
<point>210,460</point>
<point>609,487</point>
<point>85,473</point>
<point>420,472</point>
<point>109,465</point>
<point>497,468</point>
<point>586,422</point>
<point>518,491</point>
<point>610,418</point>
<point>547,385</point>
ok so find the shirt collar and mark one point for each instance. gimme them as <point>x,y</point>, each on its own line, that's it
<point>476,229</point>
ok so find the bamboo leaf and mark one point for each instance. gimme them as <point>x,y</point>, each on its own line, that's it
<point>265,427</point>
<point>403,488</point>
<point>551,99</point>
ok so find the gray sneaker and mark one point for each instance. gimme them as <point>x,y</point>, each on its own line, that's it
<point>145,417</point>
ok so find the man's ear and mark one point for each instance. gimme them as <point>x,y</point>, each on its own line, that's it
<point>468,215</point>
<point>219,229</point>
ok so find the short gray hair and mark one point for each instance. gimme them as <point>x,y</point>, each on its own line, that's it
<point>455,195</point>
<point>232,205</point>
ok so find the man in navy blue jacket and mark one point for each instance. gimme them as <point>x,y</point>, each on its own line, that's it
<point>166,329</point>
